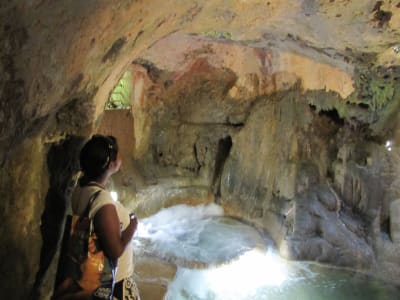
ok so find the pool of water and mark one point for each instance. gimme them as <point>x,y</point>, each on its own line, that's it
<point>198,234</point>
<point>243,265</point>
<point>303,282</point>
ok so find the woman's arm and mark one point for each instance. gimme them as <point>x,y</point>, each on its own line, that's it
<point>107,228</point>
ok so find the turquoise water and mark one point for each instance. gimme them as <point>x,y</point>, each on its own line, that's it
<point>315,283</point>
<point>242,265</point>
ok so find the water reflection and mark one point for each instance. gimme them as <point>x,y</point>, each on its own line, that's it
<point>308,283</point>
<point>241,264</point>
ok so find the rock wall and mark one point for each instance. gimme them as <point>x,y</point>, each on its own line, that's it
<point>23,184</point>
<point>311,165</point>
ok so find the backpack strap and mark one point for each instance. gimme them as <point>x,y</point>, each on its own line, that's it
<point>89,205</point>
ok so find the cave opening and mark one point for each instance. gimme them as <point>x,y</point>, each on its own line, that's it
<point>120,96</point>
<point>117,120</point>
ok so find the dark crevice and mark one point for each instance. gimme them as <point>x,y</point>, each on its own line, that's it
<point>224,148</point>
<point>381,17</point>
<point>113,52</point>
<point>137,37</point>
<point>363,106</point>
<point>227,124</point>
<point>153,72</point>
<point>240,124</point>
<point>377,6</point>
<point>385,227</point>
<point>197,159</point>
<point>333,115</point>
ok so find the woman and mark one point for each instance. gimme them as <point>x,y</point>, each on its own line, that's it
<point>113,224</point>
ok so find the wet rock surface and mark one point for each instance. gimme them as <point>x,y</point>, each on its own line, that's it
<point>320,229</point>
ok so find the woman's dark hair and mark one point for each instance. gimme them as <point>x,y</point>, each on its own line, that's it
<point>96,155</point>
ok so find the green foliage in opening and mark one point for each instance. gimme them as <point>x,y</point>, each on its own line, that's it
<point>375,101</point>
<point>219,34</point>
<point>120,97</point>
<point>382,93</point>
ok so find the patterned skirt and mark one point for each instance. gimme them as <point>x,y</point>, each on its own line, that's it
<point>126,289</point>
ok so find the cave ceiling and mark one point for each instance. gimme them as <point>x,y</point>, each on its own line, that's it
<point>57,53</point>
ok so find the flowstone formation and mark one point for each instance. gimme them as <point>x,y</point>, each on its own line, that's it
<point>307,163</point>
<point>283,112</point>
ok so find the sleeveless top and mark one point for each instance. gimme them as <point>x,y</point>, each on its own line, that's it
<point>79,201</point>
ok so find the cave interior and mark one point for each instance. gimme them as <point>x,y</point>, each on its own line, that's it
<point>283,112</point>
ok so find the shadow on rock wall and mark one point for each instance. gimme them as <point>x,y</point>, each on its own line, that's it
<point>62,165</point>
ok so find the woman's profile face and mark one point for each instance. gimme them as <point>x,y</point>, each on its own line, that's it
<point>116,164</point>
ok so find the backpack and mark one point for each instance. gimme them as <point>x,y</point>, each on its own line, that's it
<point>84,271</point>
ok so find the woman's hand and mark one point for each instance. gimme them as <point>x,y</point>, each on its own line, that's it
<point>133,218</point>
<point>133,223</point>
